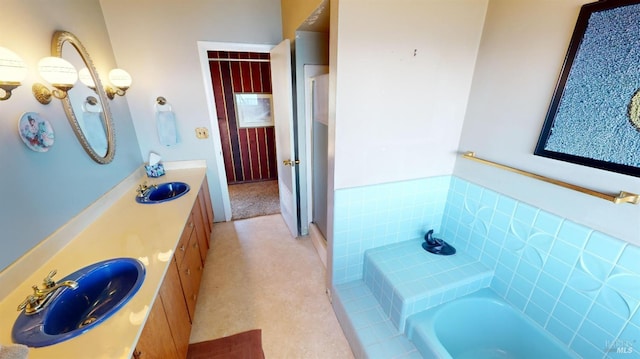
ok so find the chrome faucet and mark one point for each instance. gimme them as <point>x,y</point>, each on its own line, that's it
<point>143,188</point>
<point>37,301</point>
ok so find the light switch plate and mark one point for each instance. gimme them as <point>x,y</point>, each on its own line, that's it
<point>202,132</point>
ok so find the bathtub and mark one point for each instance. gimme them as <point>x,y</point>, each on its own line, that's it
<point>478,326</point>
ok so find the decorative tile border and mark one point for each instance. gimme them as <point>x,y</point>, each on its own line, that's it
<point>581,285</point>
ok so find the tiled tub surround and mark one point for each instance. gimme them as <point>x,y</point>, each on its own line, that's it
<point>374,216</point>
<point>580,285</point>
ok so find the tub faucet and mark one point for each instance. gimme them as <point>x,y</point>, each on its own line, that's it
<point>40,298</point>
<point>431,240</point>
<point>437,245</point>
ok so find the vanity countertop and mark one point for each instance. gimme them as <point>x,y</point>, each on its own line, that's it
<point>149,232</point>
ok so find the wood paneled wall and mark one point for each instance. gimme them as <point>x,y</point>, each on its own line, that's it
<point>249,153</point>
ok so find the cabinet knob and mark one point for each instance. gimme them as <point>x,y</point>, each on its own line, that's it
<point>188,271</point>
<point>137,354</point>
<point>182,248</point>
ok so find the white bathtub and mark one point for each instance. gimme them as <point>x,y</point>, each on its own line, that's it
<point>481,325</point>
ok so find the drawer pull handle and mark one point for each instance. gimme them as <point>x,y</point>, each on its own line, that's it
<point>182,248</point>
<point>137,354</point>
<point>188,271</point>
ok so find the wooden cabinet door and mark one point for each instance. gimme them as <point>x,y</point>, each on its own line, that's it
<point>166,333</point>
<point>156,340</point>
<point>190,275</point>
<point>176,309</point>
<point>200,231</point>
<point>205,200</point>
<point>183,244</point>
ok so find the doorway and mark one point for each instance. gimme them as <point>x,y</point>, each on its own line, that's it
<point>254,199</point>
<point>241,83</point>
<point>245,155</point>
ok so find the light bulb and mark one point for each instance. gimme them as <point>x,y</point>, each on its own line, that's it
<point>120,79</point>
<point>12,67</point>
<point>58,72</point>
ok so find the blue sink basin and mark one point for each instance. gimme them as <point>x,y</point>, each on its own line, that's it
<point>103,288</point>
<point>163,192</point>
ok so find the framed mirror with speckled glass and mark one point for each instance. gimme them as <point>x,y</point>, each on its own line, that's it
<point>594,115</point>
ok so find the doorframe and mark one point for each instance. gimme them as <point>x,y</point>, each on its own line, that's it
<point>309,72</point>
<point>317,237</point>
<point>203,48</point>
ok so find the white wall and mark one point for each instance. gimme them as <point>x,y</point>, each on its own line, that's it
<point>404,71</point>
<point>523,46</point>
<point>156,42</point>
<point>400,76</point>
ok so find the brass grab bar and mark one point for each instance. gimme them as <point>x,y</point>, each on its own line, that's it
<point>622,197</point>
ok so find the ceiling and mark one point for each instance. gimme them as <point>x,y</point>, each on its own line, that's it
<point>318,21</point>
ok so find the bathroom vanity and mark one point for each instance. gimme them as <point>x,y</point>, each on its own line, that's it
<point>171,239</point>
<point>166,332</point>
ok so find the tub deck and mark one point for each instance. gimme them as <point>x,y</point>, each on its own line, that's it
<point>406,279</point>
<point>399,280</point>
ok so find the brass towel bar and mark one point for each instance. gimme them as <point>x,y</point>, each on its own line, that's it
<point>622,197</point>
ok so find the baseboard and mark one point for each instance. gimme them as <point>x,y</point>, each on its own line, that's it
<point>319,242</point>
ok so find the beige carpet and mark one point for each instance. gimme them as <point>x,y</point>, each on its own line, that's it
<point>258,276</point>
<point>254,199</point>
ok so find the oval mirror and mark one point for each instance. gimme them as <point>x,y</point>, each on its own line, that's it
<point>86,105</point>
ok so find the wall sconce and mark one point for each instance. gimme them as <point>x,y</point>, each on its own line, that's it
<point>12,71</point>
<point>60,74</point>
<point>121,81</point>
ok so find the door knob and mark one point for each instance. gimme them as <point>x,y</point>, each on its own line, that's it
<point>290,162</point>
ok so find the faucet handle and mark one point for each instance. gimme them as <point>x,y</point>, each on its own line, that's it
<point>48,280</point>
<point>142,188</point>
<point>30,301</point>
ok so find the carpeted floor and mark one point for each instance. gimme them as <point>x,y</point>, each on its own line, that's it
<point>254,199</point>
<point>245,345</point>
<point>259,276</point>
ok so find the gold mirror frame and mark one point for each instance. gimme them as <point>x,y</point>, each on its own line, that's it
<point>59,38</point>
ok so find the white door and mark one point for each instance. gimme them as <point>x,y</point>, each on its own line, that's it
<point>281,88</point>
